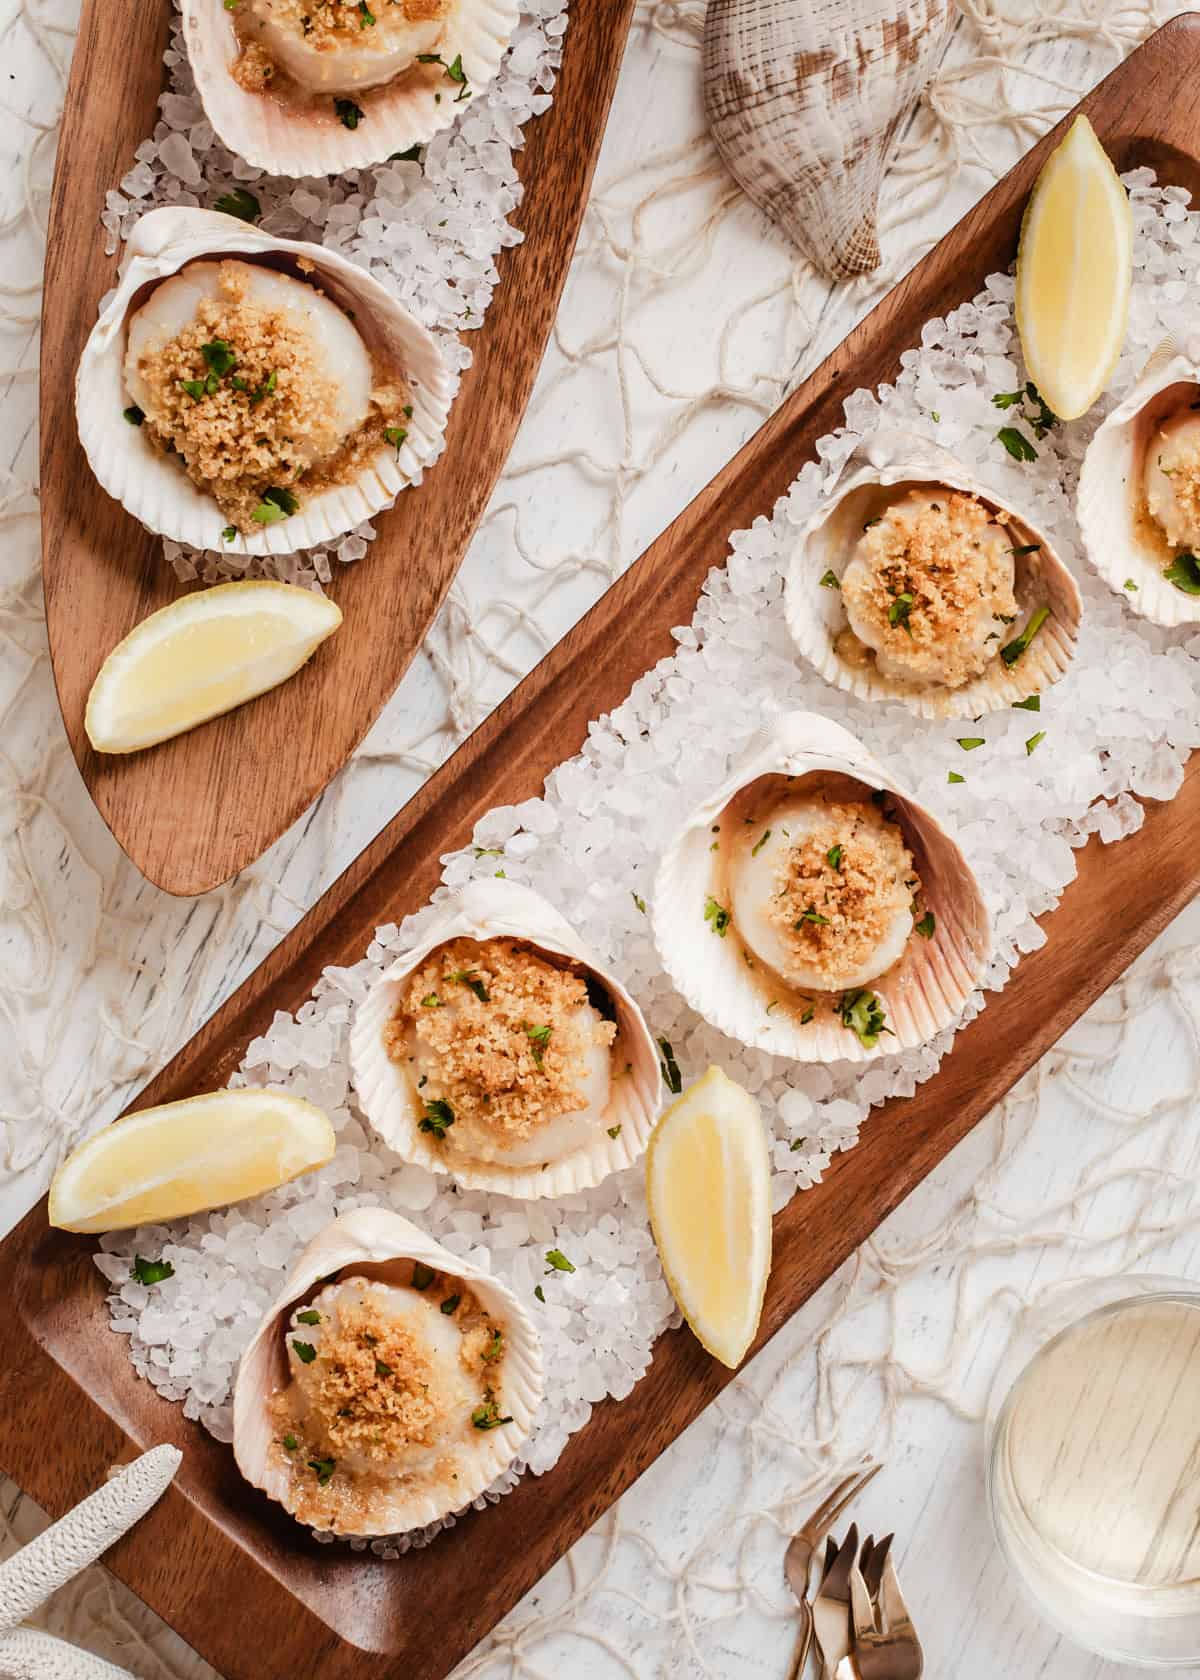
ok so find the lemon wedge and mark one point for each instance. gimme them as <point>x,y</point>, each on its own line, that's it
<point>708,1188</point>
<point>201,656</point>
<point>185,1156</point>
<point>1074,270</point>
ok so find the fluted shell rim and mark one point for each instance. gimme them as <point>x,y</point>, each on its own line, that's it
<point>815,613</point>
<point>374,1236</point>
<point>504,909</point>
<point>1105,500</point>
<point>938,975</point>
<point>157,492</point>
<point>290,141</point>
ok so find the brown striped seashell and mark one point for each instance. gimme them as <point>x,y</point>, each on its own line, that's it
<point>804,99</point>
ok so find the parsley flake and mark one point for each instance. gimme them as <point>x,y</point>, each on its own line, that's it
<point>395,435</point>
<point>1014,649</point>
<point>811,915</point>
<point>765,836</point>
<point>151,1271</point>
<point>133,414</point>
<point>432,1001</point>
<point>229,534</point>
<point>716,916</point>
<point>953,776</point>
<point>862,1013</point>
<point>323,1468</point>
<point>833,857</point>
<point>640,902</point>
<point>540,1293</point>
<point>556,1261</point>
<point>382,1369</point>
<point>488,1416</point>
<point>240,203</point>
<point>305,1351</point>
<point>1017,444</point>
<point>311,1316</point>
<point>290,1443</point>
<point>538,1038</point>
<point>348,113</point>
<point>1027,548</point>
<point>365,16</point>
<point>1034,742</point>
<point>275,505</point>
<point>614,1131</point>
<point>439,1117</point>
<point>899,610</point>
<point>670,1068</point>
<point>1184,573</point>
<point>1032,704</point>
<point>412,155</point>
<point>450,1304</point>
<point>968,743</point>
<point>467,977</point>
<point>1129,584</point>
<point>219,356</point>
<point>494,1348</point>
<point>925,927</point>
<point>423,1275</point>
<point>831,580</point>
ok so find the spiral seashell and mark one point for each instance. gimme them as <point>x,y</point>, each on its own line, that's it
<point>804,99</point>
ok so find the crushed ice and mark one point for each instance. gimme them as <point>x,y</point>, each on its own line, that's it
<point>1120,724</point>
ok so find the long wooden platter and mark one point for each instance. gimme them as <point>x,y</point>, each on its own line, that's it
<point>193,811</point>
<point>222,1564</point>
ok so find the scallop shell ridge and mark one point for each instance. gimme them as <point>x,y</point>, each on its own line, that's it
<point>815,614</point>
<point>922,995</point>
<point>373,1237</point>
<point>157,491</point>
<point>503,909</point>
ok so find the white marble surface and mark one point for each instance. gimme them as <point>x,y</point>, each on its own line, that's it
<point>102,976</point>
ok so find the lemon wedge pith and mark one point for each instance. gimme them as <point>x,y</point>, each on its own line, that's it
<point>708,1189</point>
<point>1074,272</point>
<point>183,1157</point>
<point>203,655</point>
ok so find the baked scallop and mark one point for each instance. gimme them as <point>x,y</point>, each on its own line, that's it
<point>498,1050</point>
<point>259,395</point>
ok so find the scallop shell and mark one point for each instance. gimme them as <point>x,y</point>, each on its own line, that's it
<point>157,491</point>
<point>400,114</point>
<point>366,1240</point>
<point>897,461</point>
<point>1110,494</point>
<point>804,99</point>
<point>504,909</point>
<point>922,994</point>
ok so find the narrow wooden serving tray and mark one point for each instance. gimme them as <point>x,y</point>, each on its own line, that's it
<point>192,812</point>
<point>226,1567</point>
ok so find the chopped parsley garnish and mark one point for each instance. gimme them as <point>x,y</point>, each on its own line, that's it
<point>862,1013</point>
<point>240,203</point>
<point>899,610</point>
<point>808,1015</point>
<point>1014,649</point>
<point>365,16</point>
<point>1017,444</point>
<point>305,1351</point>
<point>811,915</point>
<point>614,1131</point>
<point>953,776</point>
<point>494,1349</point>
<point>639,901</point>
<point>968,743</point>
<point>432,1001</point>
<point>1184,573</point>
<point>151,1271</point>
<point>439,1116</point>
<point>761,842</point>
<point>382,1369</point>
<point>716,916</point>
<point>833,857</point>
<point>412,155</point>
<point>540,1293</point>
<point>670,1068</point>
<point>1028,548</point>
<point>1034,742</point>
<point>1129,584</point>
<point>538,1038</point>
<point>275,505</point>
<point>556,1261</point>
<point>1032,704</point>
<point>133,414</point>
<point>867,526</point>
<point>219,356</point>
<point>229,534</point>
<point>926,925</point>
<point>450,1304</point>
<point>489,851</point>
<point>395,435</point>
<point>454,72</point>
<point>830,580</point>
<point>467,977</point>
<point>488,1416</point>
<point>423,1275</point>
<point>1042,418</point>
<point>290,1443</point>
<point>323,1467</point>
<point>1006,399</point>
<point>312,1316</point>
<point>348,113</point>
<point>196,388</point>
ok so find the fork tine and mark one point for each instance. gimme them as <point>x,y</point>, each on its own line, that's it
<point>837,1582</point>
<point>824,1517</point>
<point>860,1605</point>
<point>873,1570</point>
<point>831,1551</point>
<point>864,1557</point>
<point>892,1608</point>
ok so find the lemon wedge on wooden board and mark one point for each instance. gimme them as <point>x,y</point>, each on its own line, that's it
<point>183,1157</point>
<point>203,655</point>
<point>708,1189</point>
<point>1074,271</point>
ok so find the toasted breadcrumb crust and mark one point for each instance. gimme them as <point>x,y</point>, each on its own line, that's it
<point>237,441</point>
<point>1178,458</point>
<point>943,555</point>
<point>857,898</point>
<point>327,25</point>
<point>498,1067</point>
<point>253,69</point>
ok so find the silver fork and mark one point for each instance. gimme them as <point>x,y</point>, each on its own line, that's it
<point>886,1646</point>
<point>797,1560</point>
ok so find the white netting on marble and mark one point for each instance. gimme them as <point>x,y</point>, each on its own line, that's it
<point>104,976</point>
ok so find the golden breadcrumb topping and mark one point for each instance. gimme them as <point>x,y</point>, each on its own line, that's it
<point>839,888</point>
<point>327,25</point>
<point>1178,459</point>
<point>254,68</point>
<point>500,1024</point>
<point>936,587</point>
<point>373,1387</point>
<point>238,392</point>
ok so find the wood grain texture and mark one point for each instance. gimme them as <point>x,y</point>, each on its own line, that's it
<point>192,812</point>
<point>225,1567</point>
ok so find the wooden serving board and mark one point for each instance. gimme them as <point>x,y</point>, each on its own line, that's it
<point>193,811</point>
<point>230,1570</point>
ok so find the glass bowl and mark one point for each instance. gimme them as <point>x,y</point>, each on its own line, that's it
<point>1093,1438</point>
